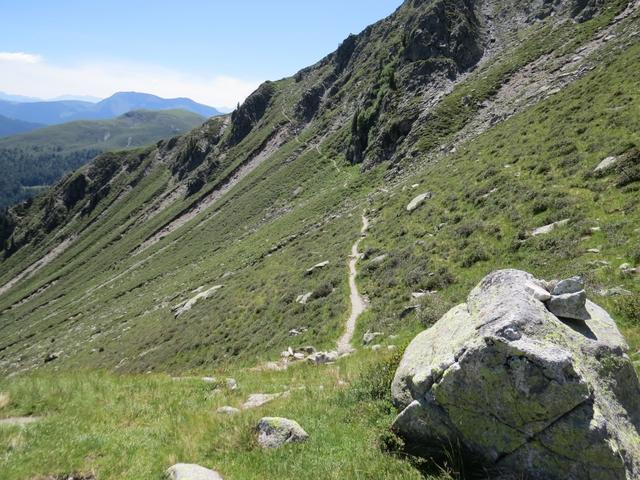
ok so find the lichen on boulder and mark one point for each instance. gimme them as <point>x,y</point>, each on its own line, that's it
<point>521,390</point>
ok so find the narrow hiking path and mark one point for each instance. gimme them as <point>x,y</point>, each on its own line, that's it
<point>358,304</point>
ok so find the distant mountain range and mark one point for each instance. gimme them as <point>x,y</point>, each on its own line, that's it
<point>62,111</point>
<point>11,126</point>
<point>32,161</point>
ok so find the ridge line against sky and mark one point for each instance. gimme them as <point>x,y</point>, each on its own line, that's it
<point>215,52</point>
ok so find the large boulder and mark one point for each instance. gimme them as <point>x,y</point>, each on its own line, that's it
<point>521,390</point>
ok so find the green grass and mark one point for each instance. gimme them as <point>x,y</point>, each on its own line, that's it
<point>107,308</point>
<point>135,427</point>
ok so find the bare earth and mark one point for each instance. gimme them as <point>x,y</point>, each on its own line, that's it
<point>358,304</point>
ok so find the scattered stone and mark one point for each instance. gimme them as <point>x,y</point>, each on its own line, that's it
<point>595,229</point>
<point>419,200</point>
<point>379,259</point>
<point>306,349</point>
<point>321,358</point>
<point>274,432</point>
<point>273,367</point>
<point>294,332</point>
<point>568,299</point>
<point>394,337</point>
<point>256,400</point>
<point>549,228</point>
<point>52,356</point>
<point>520,389</point>
<point>375,348</point>
<point>188,305</point>
<point>226,410</point>
<point>415,185</point>
<point>231,384</point>
<point>317,266</point>
<point>298,356</point>
<point>538,292</point>
<point>606,164</point>
<point>186,471</point>
<point>627,269</point>
<point>391,347</point>
<point>570,285</point>
<point>370,336</point>
<point>287,353</point>
<point>209,379</point>
<point>17,421</point>
<point>593,250</point>
<point>615,292</point>
<point>303,299</point>
<point>569,305</point>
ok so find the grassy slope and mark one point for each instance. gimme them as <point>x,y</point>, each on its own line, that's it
<point>32,160</point>
<point>539,161</point>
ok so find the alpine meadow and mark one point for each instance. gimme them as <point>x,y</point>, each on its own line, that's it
<point>418,258</point>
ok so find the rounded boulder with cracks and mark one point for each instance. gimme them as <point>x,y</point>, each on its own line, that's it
<point>520,390</point>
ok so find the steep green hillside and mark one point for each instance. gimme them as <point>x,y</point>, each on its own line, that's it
<point>96,267</point>
<point>34,160</point>
<point>502,111</point>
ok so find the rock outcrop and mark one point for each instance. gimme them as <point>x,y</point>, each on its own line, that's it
<point>274,432</point>
<point>520,389</point>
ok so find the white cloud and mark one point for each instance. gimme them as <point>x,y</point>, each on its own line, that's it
<point>26,74</point>
<point>20,57</point>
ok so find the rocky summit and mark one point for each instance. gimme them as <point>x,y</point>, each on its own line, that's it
<point>272,294</point>
<point>523,390</point>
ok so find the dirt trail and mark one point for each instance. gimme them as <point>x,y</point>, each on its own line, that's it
<point>358,303</point>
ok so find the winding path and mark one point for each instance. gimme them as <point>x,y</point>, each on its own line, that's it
<point>358,304</point>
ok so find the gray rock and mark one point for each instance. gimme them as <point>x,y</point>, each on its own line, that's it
<point>569,305</point>
<point>321,358</point>
<point>369,337</point>
<point>186,471</point>
<point>521,390</point>
<point>308,349</point>
<point>274,432</point>
<point>549,228</point>
<point>231,384</point>
<point>303,299</point>
<point>538,292</point>
<point>417,201</point>
<point>606,164</point>
<point>379,259</point>
<point>375,348</point>
<point>226,410</point>
<point>256,400</point>
<point>570,285</point>
<point>317,266</point>
<point>615,292</point>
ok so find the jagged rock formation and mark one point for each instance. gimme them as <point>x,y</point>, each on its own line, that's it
<point>520,389</point>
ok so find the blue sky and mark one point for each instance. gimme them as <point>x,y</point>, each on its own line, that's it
<point>213,51</point>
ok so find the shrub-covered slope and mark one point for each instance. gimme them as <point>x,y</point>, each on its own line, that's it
<point>501,110</point>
